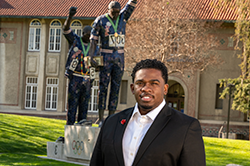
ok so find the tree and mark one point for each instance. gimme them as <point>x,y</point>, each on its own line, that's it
<point>241,91</point>
<point>172,32</point>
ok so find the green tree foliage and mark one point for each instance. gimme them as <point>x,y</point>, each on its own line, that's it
<point>240,92</point>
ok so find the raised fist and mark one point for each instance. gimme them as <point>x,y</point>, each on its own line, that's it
<point>72,11</point>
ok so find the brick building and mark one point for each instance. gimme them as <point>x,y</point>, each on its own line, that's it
<point>33,53</point>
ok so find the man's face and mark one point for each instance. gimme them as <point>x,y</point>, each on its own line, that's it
<point>114,13</point>
<point>86,37</point>
<point>149,89</point>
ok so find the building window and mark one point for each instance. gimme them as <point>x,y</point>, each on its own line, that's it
<point>123,93</point>
<point>76,27</point>
<point>51,93</point>
<point>55,36</point>
<point>93,104</point>
<point>35,36</point>
<point>31,93</point>
<point>218,102</point>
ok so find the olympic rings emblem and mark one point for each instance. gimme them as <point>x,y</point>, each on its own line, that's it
<point>77,147</point>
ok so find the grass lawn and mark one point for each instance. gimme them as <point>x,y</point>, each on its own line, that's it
<point>24,138</point>
<point>220,152</point>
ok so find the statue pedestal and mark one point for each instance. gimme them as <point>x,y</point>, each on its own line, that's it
<point>55,150</point>
<point>79,142</point>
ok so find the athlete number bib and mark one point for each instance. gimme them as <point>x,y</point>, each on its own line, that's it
<point>118,41</point>
<point>73,64</point>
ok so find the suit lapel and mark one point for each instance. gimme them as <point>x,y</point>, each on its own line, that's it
<point>120,129</point>
<point>159,123</point>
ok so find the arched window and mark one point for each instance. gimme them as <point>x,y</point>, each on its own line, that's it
<point>176,90</point>
<point>35,35</point>
<point>55,36</point>
<point>76,27</point>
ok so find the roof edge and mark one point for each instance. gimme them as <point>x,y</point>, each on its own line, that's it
<point>207,20</point>
<point>48,17</point>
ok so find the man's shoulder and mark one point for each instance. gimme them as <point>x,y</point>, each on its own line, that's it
<point>101,17</point>
<point>122,113</point>
<point>77,40</point>
<point>128,110</point>
<point>75,46</point>
<point>113,119</point>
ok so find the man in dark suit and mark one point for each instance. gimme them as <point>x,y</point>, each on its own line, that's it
<point>151,133</point>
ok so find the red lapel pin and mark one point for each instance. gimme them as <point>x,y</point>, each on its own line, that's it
<point>123,121</point>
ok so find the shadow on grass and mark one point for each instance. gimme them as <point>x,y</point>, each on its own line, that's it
<point>28,134</point>
<point>15,139</point>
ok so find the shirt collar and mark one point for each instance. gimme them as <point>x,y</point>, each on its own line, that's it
<point>152,114</point>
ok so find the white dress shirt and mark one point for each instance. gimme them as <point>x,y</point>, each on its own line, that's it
<point>135,131</point>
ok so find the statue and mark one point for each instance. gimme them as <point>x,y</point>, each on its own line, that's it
<point>110,28</point>
<point>77,71</point>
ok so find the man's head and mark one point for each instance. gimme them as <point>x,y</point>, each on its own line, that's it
<point>86,33</point>
<point>149,84</point>
<point>114,9</point>
<point>151,63</point>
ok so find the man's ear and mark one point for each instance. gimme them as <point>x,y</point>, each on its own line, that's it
<point>166,89</point>
<point>132,88</point>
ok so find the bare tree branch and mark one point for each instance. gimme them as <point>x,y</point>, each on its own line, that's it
<point>171,32</point>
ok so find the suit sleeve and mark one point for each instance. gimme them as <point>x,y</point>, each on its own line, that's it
<point>97,157</point>
<point>193,152</point>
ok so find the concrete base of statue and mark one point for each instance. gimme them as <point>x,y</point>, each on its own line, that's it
<point>79,142</point>
<point>55,150</point>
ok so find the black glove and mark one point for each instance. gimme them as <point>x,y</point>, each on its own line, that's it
<point>72,11</point>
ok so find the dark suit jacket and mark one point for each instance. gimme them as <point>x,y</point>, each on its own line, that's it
<point>174,139</point>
